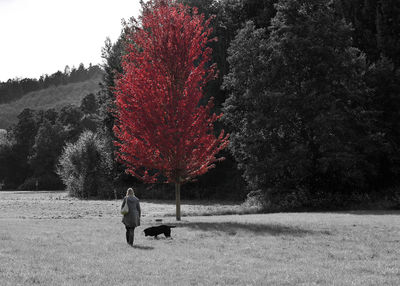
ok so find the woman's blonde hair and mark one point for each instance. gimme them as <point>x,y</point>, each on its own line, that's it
<point>130,192</point>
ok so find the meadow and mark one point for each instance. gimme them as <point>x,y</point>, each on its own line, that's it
<point>48,238</point>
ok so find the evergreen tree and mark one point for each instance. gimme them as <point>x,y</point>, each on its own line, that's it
<point>23,134</point>
<point>112,56</point>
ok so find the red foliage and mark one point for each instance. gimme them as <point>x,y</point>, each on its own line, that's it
<point>161,126</point>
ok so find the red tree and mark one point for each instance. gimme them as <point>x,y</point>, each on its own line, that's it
<point>163,131</point>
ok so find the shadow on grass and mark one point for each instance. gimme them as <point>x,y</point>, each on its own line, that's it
<point>216,212</point>
<point>192,202</point>
<point>144,247</point>
<point>372,212</point>
<point>32,192</point>
<point>231,228</point>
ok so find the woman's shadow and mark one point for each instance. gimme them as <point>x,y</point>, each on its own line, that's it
<point>144,247</point>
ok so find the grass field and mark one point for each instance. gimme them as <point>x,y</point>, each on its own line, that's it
<point>48,238</point>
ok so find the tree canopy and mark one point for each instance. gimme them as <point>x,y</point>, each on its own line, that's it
<point>161,128</point>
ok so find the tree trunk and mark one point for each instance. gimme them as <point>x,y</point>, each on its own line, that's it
<point>178,200</point>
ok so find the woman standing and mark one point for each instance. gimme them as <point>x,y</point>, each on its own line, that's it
<point>132,218</point>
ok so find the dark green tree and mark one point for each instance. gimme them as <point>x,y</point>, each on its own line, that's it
<point>23,138</point>
<point>297,105</point>
<point>89,104</point>
<point>8,165</point>
<point>361,14</point>
<point>91,120</point>
<point>383,79</point>
<point>230,16</point>
<point>48,145</point>
<point>112,55</point>
<point>50,114</point>
<point>388,29</point>
<point>376,28</point>
<point>25,131</point>
<point>70,117</point>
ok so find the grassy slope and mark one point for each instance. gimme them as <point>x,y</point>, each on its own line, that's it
<point>52,97</point>
<point>50,239</point>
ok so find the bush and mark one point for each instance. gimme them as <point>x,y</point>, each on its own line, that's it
<point>277,199</point>
<point>85,167</point>
<point>256,199</point>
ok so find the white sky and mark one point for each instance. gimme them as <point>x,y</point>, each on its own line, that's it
<point>43,36</point>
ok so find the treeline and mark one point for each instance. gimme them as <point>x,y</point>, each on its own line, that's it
<point>14,89</point>
<point>33,146</point>
<point>313,103</point>
<point>310,94</point>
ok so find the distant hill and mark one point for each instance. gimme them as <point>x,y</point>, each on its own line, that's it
<point>14,89</point>
<point>52,97</point>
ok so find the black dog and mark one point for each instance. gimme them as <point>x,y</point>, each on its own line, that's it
<point>157,230</point>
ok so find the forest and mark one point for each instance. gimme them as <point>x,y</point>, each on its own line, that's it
<point>309,92</point>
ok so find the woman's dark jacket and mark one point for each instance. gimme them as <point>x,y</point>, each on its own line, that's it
<point>132,218</point>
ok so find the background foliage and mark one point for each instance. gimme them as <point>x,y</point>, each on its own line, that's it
<point>311,96</point>
<point>84,167</point>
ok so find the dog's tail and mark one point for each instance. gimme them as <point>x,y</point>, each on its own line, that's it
<point>171,226</point>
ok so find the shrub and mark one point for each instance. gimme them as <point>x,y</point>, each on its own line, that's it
<point>85,167</point>
<point>277,199</point>
<point>255,199</point>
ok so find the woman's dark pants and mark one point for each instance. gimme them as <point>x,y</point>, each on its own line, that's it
<point>129,234</point>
